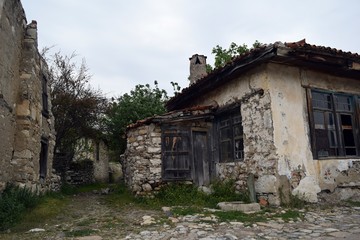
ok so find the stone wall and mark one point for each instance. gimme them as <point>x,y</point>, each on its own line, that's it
<point>22,122</point>
<point>80,173</point>
<point>259,150</point>
<point>97,151</point>
<point>142,168</point>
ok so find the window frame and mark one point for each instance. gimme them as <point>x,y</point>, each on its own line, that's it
<point>234,119</point>
<point>45,97</point>
<point>332,109</point>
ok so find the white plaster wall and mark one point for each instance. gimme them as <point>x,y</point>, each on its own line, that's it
<point>235,89</point>
<point>288,104</point>
<point>291,130</point>
<point>1,7</point>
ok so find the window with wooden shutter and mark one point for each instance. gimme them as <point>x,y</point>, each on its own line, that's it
<point>334,121</point>
<point>176,164</point>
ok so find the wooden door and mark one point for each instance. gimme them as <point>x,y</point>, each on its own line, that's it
<point>201,173</point>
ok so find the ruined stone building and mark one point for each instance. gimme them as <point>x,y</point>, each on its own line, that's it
<point>287,114</point>
<point>27,135</point>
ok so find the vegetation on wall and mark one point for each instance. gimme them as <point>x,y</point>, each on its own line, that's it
<point>224,56</point>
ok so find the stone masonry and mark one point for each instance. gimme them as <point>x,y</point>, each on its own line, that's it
<point>24,123</point>
<point>142,168</point>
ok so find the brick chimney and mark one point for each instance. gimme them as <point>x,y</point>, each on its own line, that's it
<point>197,68</point>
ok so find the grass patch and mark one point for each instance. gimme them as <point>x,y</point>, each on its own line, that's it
<point>177,194</point>
<point>49,206</point>
<point>14,202</point>
<point>120,197</point>
<point>183,211</point>
<point>80,233</point>
<point>68,189</point>
<point>289,215</point>
<point>240,217</point>
<point>353,203</point>
<point>291,201</point>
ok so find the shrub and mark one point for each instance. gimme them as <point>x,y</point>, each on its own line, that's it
<point>13,202</point>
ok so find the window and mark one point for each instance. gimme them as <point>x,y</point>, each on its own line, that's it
<point>45,97</point>
<point>231,144</point>
<point>43,157</point>
<point>334,124</point>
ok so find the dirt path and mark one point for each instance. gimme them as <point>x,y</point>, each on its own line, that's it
<point>87,214</point>
<point>90,216</point>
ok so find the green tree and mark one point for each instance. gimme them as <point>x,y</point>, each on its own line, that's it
<point>223,56</point>
<point>140,103</point>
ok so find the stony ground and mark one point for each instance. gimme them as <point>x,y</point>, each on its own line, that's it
<point>88,217</point>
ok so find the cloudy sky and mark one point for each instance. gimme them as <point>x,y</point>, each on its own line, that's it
<point>134,42</point>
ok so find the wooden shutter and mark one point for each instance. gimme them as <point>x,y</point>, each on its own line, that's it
<point>176,164</point>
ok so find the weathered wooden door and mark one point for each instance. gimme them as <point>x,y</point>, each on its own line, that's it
<point>176,153</point>
<point>201,173</point>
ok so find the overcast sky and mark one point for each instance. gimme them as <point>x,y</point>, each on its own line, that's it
<point>126,43</point>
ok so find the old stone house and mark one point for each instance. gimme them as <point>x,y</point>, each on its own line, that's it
<point>96,153</point>
<point>26,122</point>
<point>287,114</point>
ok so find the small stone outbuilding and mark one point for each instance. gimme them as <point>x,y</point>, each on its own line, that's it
<point>286,113</point>
<point>26,121</point>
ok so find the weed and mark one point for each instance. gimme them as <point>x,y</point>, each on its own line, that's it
<point>289,215</point>
<point>183,211</point>
<point>224,191</point>
<point>13,203</point>
<point>49,206</point>
<point>290,201</point>
<point>240,217</point>
<point>353,203</point>
<point>177,194</point>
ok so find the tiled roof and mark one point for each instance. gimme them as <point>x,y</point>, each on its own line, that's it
<point>301,53</point>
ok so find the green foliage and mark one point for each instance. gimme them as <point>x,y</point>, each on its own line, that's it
<point>13,203</point>
<point>223,56</point>
<point>176,87</point>
<point>178,194</point>
<point>50,205</point>
<point>142,102</point>
<point>224,191</point>
<point>290,201</point>
<point>183,211</point>
<point>240,216</point>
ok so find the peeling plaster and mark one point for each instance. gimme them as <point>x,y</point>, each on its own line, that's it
<point>307,189</point>
<point>1,7</point>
